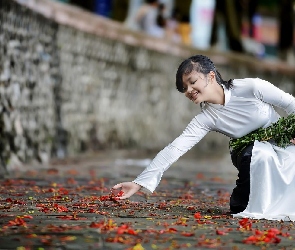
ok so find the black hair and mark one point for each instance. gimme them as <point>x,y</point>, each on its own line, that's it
<point>201,64</point>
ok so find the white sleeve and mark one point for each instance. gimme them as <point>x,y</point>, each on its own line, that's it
<point>267,92</point>
<point>151,176</point>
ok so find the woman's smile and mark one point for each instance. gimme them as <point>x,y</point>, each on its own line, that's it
<point>194,95</point>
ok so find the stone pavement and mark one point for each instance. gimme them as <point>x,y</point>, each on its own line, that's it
<point>67,205</point>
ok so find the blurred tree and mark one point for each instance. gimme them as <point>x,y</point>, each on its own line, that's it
<point>64,1</point>
<point>87,5</point>
<point>230,11</point>
<point>286,28</point>
<point>183,7</point>
<point>184,28</point>
<point>119,10</point>
<point>267,7</point>
<point>251,7</point>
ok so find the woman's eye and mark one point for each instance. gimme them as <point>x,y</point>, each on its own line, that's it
<point>193,82</point>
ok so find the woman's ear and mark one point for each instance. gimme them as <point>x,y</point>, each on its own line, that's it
<point>211,76</point>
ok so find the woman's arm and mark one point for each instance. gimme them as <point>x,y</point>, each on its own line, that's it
<point>267,92</point>
<point>151,176</point>
<point>271,94</point>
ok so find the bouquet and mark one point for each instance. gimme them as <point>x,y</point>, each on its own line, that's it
<point>281,132</point>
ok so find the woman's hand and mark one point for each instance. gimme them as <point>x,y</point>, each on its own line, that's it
<point>293,141</point>
<point>129,188</point>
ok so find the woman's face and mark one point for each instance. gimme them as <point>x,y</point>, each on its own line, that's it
<point>197,86</point>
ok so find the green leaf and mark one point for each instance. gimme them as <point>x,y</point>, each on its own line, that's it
<point>281,132</point>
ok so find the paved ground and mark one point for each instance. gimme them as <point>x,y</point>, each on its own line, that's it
<point>67,205</point>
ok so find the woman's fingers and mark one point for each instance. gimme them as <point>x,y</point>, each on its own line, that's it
<point>293,141</point>
<point>128,188</point>
<point>118,186</point>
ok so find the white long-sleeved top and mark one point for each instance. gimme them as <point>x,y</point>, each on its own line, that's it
<point>248,106</point>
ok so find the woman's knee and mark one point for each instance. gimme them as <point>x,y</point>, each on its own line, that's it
<point>264,155</point>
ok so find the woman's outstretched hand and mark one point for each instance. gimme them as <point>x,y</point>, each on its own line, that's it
<point>129,188</point>
<point>293,141</point>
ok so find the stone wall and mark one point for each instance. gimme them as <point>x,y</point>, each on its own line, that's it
<point>29,72</point>
<point>72,82</point>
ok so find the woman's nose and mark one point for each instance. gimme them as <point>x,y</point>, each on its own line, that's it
<point>189,89</point>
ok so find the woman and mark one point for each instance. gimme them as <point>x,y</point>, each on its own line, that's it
<point>234,108</point>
